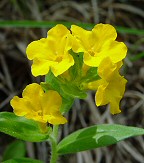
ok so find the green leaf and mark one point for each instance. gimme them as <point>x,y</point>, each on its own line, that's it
<point>72,91</point>
<point>22,160</point>
<point>52,82</point>
<point>96,136</point>
<point>16,149</point>
<point>21,128</point>
<point>45,86</point>
<point>91,75</point>
<point>66,104</point>
<point>76,70</point>
<point>64,88</point>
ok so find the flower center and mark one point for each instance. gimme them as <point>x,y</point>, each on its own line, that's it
<point>40,113</point>
<point>91,52</point>
<point>59,59</point>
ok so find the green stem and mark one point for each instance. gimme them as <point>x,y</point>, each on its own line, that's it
<point>53,139</point>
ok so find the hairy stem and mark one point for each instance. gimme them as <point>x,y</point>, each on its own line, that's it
<point>53,139</point>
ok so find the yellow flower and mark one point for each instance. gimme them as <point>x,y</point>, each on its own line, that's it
<point>98,44</point>
<point>51,52</point>
<point>38,105</point>
<point>111,86</point>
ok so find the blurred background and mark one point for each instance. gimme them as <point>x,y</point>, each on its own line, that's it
<point>36,18</point>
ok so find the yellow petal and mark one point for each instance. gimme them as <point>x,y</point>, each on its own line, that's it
<point>32,90</point>
<point>41,66</point>
<point>101,97</point>
<point>95,84</point>
<point>32,93</point>
<point>56,119</point>
<point>60,67</point>
<point>57,32</point>
<point>47,52</point>
<point>112,88</point>
<point>106,69</point>
<point>60,39</point>
<point>29,105</point>
<point>37,49</point>
<point>39,106</point>
<point>98,44</point>
<point>20,106</point>
<point>51,102</point>
<point>114,106</point>
<point>104,32</point>
<point>84,38</point>
<point>116,51</point>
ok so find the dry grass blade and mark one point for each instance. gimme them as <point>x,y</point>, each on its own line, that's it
<point>129,8</point>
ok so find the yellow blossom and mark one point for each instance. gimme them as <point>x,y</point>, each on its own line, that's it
<point>98,44</point>
<point>38,105</point>
<point>51,52</point>
<point>111,86</point>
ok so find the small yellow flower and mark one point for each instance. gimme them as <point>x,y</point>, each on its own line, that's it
<point>111,86</point>
<point>98,44</point>
<point>38,105</point>
<point>51,52</point>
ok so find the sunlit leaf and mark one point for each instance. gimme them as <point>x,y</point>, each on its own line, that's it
<point>21,128</point>
<point>96,136</point>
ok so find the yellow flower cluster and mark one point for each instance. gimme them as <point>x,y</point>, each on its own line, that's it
<point>39,105</point>
<point>51,52</point>
<point>100,49</point>
<point>98,44</point>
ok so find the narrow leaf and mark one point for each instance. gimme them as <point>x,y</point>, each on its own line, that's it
<point>21,128</point>
<point>96,136</point>
<point>50,24</point>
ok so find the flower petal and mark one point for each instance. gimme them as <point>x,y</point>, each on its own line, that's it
<point>98,44</point>
<point>32,93</point>
<point>51,102</point>
<point>101,97</point>
<point>40,66</point>
<point>106,69</point>
<point>57,32</point>
<point>48,52</point>
<point>112,88</point>
<point>39,106</point>
<point>37,49</point>
<point>20,106</point>
<point>62,66</point>
<point>84,38</point>
<point>116,51</point>
<point>56,119</point>
<point>95,84</point>
<point>104,32</point>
